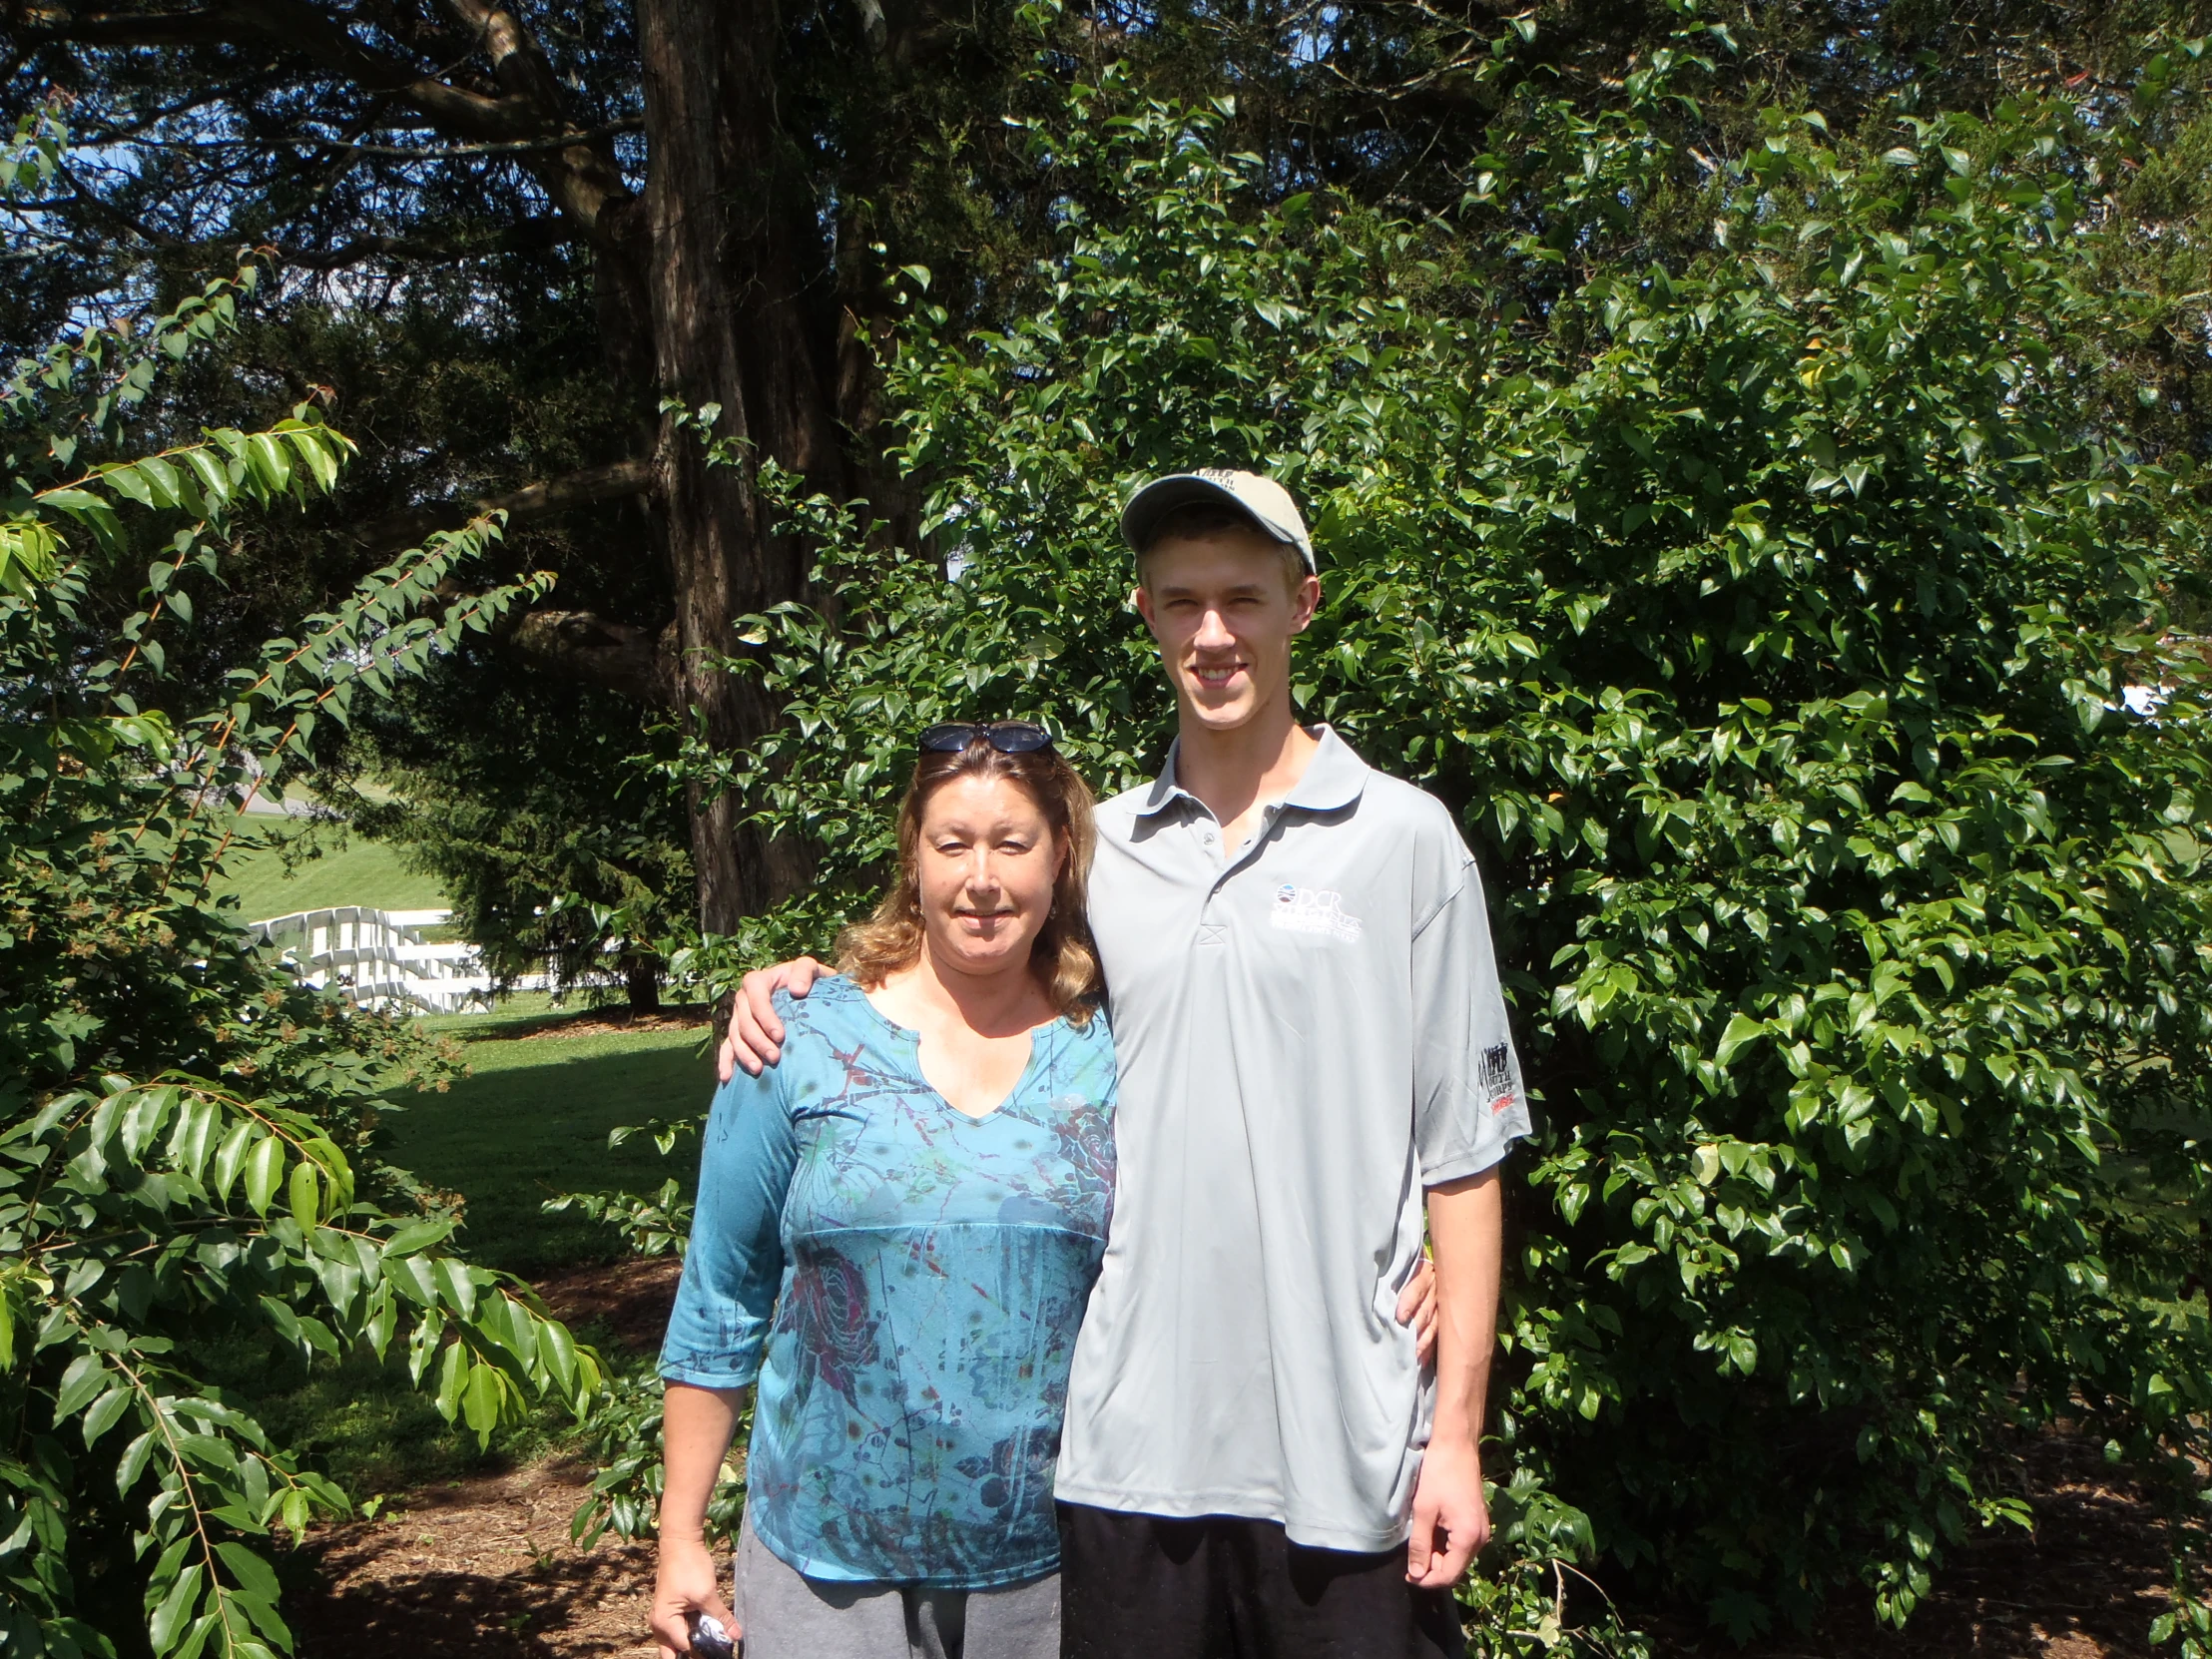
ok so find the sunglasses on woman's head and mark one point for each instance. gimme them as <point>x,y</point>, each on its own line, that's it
<point>1009,737</point>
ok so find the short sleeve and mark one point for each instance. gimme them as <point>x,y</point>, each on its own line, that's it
<point>733,1265</point>
<point>1468,1102</point>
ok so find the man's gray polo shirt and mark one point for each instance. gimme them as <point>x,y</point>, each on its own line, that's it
<point>1308,1031</point>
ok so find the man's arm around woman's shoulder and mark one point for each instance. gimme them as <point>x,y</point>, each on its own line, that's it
<point>756,1037</point>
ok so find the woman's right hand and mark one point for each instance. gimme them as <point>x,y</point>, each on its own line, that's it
<point>756,1037</point>
<point>684,1584</point>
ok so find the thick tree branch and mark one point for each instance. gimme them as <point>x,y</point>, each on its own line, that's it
<point>582,176</point>
<point>313,31</point>
<point>580,173</point>
<point>302,28</point>
<point>389,152</point>
<point>202,26</point>
<point>586,488</point>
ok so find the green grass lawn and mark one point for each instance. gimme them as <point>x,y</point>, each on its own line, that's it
<point>531,1122</point>
<point>344,870</point>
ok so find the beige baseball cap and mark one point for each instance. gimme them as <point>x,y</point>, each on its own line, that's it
<point>1267,503</point>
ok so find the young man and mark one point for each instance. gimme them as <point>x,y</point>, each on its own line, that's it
<point>1311,1039</point>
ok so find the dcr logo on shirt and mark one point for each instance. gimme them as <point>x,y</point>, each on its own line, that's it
<point>1314,911</point>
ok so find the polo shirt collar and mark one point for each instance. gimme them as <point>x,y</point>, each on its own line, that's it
<point>1332,779</point>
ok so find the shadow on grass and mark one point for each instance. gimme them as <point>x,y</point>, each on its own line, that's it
<point>532,1124</point>
<point>363,1424</point>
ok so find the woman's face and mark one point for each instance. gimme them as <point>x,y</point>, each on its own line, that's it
<point>987,861</point>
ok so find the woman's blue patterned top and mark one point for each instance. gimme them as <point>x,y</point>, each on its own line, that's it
<point>906,1283</point>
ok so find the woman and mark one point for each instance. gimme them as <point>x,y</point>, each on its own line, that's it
<point>896,1230</point>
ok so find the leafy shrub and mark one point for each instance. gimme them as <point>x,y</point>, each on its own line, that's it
<point>1771,614</point>
<point>186,1130</point>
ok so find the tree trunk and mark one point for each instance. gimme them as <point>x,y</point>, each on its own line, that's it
<point>641,979</point>
<point>710,132</point>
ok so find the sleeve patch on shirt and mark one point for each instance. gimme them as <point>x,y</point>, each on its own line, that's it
<point>1496,1076</point>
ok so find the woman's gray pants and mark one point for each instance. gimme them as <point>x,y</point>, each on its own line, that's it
<point>786,1615</point>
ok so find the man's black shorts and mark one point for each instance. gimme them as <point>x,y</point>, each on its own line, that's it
<point>1224,1587</point>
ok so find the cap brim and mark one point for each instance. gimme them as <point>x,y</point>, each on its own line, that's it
<point>1183,489</point>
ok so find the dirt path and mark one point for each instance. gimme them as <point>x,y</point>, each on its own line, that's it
<point>484,1569</point>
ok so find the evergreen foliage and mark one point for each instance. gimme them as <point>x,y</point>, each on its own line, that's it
<point>553,852</point>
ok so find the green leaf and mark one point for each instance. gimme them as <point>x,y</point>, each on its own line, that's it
<point>166,1626</point>
<point>452,1375</point>
<point>458,1285</point>
<point>132,1462</point>
<point>487,1391</point>
<point>160,481</point>
<point>126,482</point>
<point>250,1570</point>
<point>107,1411</point>
<point>229,1155</point>
<point>416,1279</point>
<point>263,1167</point>
<point>148,1109</point>
<point>1741,1029</point>
<point>194,1137</point>
<point>213,481</point>
<point>319,453</point>
<point>86,1377</point>
<point>557,1348</point>
<point>270,463</point>
<point>383,1322</point>
<point>306,1193</point>
<point>419,1236</point>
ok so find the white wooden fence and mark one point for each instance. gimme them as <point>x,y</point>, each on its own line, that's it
<point>380,957</point>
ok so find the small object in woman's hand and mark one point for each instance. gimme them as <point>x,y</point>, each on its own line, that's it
<point>710,1639</point>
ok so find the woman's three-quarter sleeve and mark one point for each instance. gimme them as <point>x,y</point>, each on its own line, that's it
<point>733,1265</point>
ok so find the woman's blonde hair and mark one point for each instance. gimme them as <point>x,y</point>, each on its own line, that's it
<point>1061,955</point>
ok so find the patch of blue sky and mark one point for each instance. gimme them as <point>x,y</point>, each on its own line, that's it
<point>1313,38</point>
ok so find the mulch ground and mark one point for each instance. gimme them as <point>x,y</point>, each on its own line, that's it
<point>484,1568</point>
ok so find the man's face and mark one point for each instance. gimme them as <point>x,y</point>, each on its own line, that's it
<point>1225,612</point>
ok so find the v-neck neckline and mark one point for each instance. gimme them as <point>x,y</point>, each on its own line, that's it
<point>911,1039</point>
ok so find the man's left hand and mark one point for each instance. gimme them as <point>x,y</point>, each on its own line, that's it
<point>1451,1520</point>
<point>1416,1310</point>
